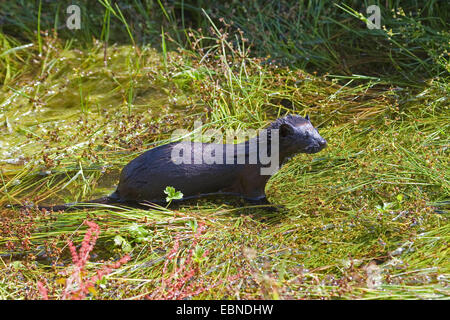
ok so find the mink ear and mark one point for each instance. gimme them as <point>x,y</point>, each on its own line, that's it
<point>286,129</point>
<point>307,117</point>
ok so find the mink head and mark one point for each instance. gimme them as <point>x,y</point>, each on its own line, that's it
<point>297,134</point>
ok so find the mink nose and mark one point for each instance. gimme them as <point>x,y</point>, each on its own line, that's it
<point>323,143</point>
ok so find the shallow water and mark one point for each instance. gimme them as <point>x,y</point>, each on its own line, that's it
<point>66,115</point>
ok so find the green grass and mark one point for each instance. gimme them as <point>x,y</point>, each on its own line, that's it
<point>365,218</point>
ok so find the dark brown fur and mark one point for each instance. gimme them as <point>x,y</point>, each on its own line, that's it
<point>145,178</point>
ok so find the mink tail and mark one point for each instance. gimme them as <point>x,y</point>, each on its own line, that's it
<point>111,199</point>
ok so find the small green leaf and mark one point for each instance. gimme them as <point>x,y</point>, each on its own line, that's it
<point>172,194</point>
<point>193,224</point>
<point>198,255</point>
<point>143,239</point>
<point>119,241</point>
<point>136,231</point>
<point>16,264</point>
<point>387,205</point>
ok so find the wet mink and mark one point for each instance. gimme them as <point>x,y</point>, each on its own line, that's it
<point>145,178</point>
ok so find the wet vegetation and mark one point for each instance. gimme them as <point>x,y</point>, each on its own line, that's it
<point>365,218</point>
